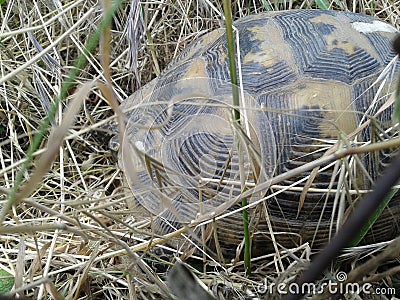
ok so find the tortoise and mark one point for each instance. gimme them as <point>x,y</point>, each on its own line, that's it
<point>309,81</point>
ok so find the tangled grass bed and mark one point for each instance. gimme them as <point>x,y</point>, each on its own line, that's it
<point>72,234</point>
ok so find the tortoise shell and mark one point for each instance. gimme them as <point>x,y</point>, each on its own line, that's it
<point>308,80</point>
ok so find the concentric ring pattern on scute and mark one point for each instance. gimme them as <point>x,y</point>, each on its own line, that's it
<point>326,57</point>
<point>187,132</point>
<point>309,81</point>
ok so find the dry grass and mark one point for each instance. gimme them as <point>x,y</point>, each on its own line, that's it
<point>73,235</point>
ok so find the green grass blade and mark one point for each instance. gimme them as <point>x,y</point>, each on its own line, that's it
<point>322,4</point>
<point>266,5</point>
<point>373,219</point>
<point>235,95</point>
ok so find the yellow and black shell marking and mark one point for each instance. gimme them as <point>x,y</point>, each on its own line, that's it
<point>309,80</point>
